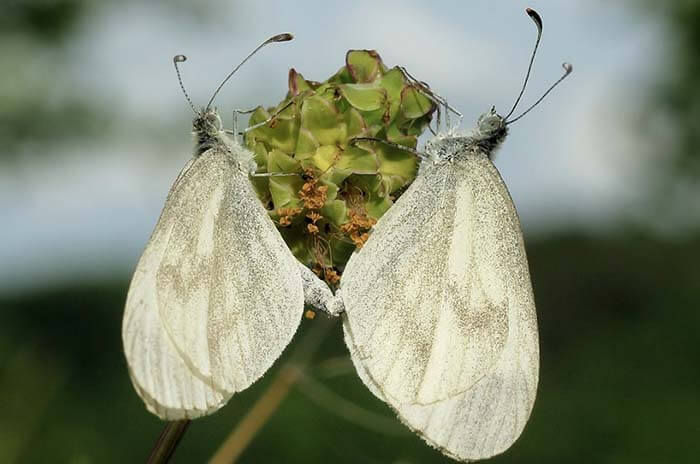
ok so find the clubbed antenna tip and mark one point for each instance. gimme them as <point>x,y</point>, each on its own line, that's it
<point>286,37</point>
<point>568,68</point>
<point>535,17</point>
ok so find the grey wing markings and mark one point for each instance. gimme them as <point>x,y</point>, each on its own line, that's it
<point>386,356</point>
<point>235,296</point>
<point>161,377</point>
<point>466,426</point>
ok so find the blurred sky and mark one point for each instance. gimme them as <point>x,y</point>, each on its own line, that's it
<point>86,207</point>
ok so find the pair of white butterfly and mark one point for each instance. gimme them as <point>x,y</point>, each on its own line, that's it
<point>437,307</point>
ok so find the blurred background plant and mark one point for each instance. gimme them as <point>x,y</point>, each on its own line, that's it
<point>94,130</point>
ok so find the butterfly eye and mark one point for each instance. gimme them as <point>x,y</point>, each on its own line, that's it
<point>213,122</point>
<point>487,123</point>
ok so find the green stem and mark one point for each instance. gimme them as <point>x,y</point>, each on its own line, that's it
<point>167,442</point>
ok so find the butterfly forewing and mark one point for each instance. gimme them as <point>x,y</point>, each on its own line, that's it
<point>427,313</point>
<point>230,291</point>
<point>167,385</point>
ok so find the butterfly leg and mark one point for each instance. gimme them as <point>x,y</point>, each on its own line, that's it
<point>271,174</point>
<point>236,112</point>
<point>261,123</point>
<point>437,99</point>
<point>395,145</point>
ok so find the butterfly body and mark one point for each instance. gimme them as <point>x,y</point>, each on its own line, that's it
<point>486,137</point>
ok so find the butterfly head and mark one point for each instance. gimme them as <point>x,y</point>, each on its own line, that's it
<point>491,129</point>
<point>207,127</point>
<point>207,123</point>
<point>491,125</point>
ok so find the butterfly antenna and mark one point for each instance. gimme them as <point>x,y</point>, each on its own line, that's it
<point>181,59</point>
<point>276,38</point>
<point>568,68</point>
<point>537,19</point>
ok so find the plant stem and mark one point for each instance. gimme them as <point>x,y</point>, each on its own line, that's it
<point>241,436</point>
<point>167,442</point>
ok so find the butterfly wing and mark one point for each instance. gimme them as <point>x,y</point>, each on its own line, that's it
<point>430,297</point>
<point>446,286</point>
<point>225,287</point>
<point>449,272</point>
<point>160,376</point>
<point>481,422</point>
<point>233,290</point>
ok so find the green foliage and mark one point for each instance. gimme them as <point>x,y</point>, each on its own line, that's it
<point>48,20</point>
<point>338,186</point>
<point>37,110</point>
<point>41,108</point>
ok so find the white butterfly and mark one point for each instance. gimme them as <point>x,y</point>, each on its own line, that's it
<point>217,295</point>
<point>439,312</point>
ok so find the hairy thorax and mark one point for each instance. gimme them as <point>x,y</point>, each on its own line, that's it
<point>484,139</point>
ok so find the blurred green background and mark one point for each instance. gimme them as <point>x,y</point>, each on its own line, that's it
<point>88,99</point>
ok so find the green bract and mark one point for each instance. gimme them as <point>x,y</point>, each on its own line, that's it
<point>338,186</point>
